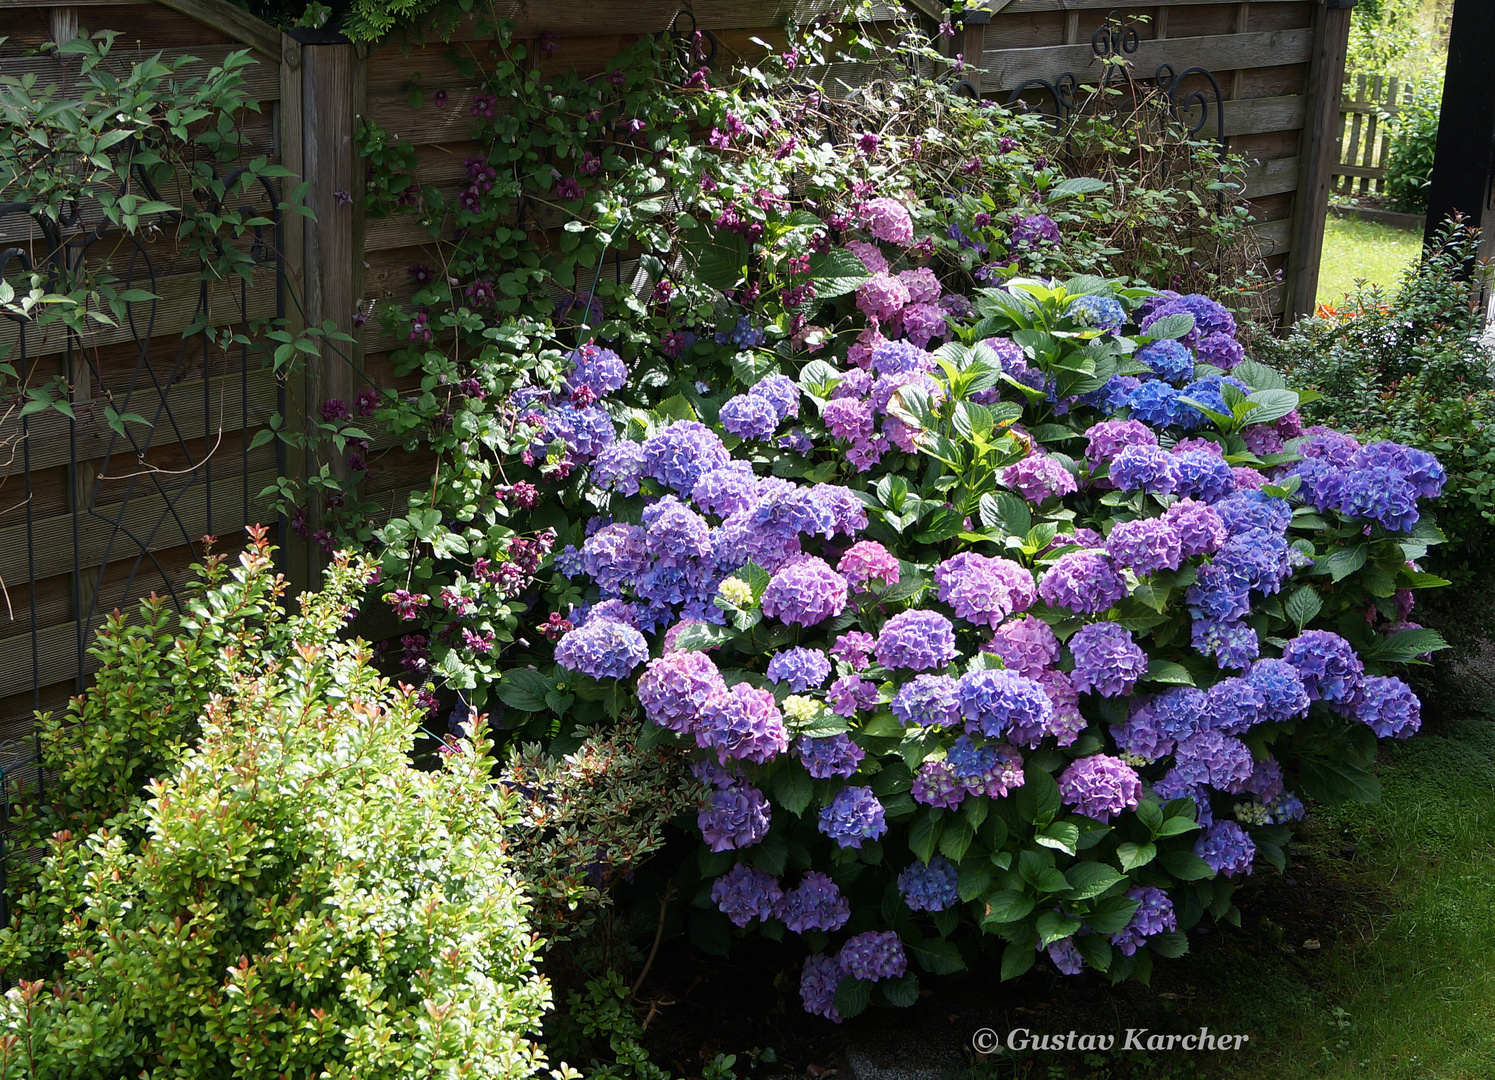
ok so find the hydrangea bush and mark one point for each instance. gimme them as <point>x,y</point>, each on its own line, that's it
<point>1034,643</point>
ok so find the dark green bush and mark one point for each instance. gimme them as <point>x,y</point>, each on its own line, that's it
<point>1413,134</point>
<point>1411,366</point>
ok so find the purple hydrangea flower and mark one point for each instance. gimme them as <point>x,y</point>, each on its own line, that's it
<point>1100,786</point>
<point>1141,734</point>
<point>935,784</point>
<point>993,701</point>
<point>916,641</point>
<point>1109,438</point>
<point>1326,663</point>
<point>1221,350</point>
<point>1214,759</point>
<point>1082,581</point>
<point>1154,915</point>
<point>743,724</point>
<point>725,491</point>
<point>744,893</point>
<point>801,668</point>
<point>1417,467</point>
<point>1388,707</point>
<point>1200,529</point>
<point>781,392</point>
<point>619,467</point>
<point>1144,468</point>
<point>675,534</point>
<point>1282,691</point>
<point>1101,312</point>
<point>1026,645</point>
<point>1381,495</point>
<point>1066,723</point>
<point>900,358</point>
<point>984,590</point>
<point>1210,317</point>
<point>1147,545</point>
<point>1037,477</point>
<point>849,695</point>
<point>601,370</point>
<point>734,817</point>
<point>874,955</point>
<point>682,453</point>
<point>1226,848</point>
<point>1232,644</point>
<point>888,220</point>
<point>854,647</point>
<point>1066,956</point>
<point>814,904</point>
<point>805,592</point>
<point>749,417</point>
<point>1202,475</point>
<point>1032,233</point>
<point>881,297</point>
<point>817,986</point>
<point>854,815</point>
<point>1107,661</point>
<point>929,886</point>
<point>603,649</point>
<point>834,755</point>
<point>928,701</point>
<point>675,689</point>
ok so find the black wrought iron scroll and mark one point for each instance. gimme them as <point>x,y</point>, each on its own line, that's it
<point>1112,43</point>
<point>136,489</point>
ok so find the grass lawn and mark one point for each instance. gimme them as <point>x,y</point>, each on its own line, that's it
<point>1361,249</point>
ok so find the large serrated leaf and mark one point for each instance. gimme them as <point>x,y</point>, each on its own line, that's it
<point>836,272</point>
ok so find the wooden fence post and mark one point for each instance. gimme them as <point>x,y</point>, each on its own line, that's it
<point>332,88</point>
<point>1320,154</point>
<point>1464,160</point>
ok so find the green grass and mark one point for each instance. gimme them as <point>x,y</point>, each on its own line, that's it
<point>1361,249</point>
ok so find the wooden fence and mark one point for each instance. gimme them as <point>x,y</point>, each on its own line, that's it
<point>100,522</point>
<point>1364,141</point>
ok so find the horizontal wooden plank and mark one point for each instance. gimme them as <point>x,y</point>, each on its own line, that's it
<point>170,315</point>
<point>531,19</point>
<point>183,418</point>
<point>1272,177</point>
<point>1024,7</point>
<point>261,78</point>
<point>1369,172</point>
<point>149,522</point>
<point>232,20</point>
<point>1368,107</point>
<point>1255,116</point>
<point>1274,236</point>
<point>1006,69</point>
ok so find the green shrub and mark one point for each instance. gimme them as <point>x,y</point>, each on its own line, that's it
<point>1413,134</point>
<point>294,899</point>
<point>1412,368</point>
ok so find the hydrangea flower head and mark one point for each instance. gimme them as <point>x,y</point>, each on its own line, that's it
<point>745,893</point>
<point>853,816</point>
<point>834,755</point>
<point>814,904</point>
<point>743,724</point>
<point>682,453</point>
<point>1146,545</point>
<point>1038,477</point>
<point>1107,661</point>
<point>874,955</point>
<point>817,985</point>
<point>801,668</point>
<point>1145,468</point>
<point>1084,581</point>
<point>734,817</point>
<point>984,590</point>
<point>676,688</point>
<point>900,358</point>
<point>1100,786</point>
<point>1170,359</point>
<point>916,641</point>
<point>1200,529</point>
<point>994,701</point>
<point>750,417</point>
<point>1388,707</point>
<point>1227,849</point>
<point>1326,663</point>
<point>1213,759</point>
<point>1026,645</point>
<point>1109,438</point>
<point>889,221</point>
<point>866,561</point>
<point>602,648</point>
<point>881,297</point>
<point>929,886</point>
<point>928,701</point>
<point>1101,312</point>
<point>601,370</point>
<point>781,392</point>
<point>935,784</point>
<point>805,592</point>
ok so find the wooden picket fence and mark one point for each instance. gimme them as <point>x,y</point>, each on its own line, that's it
<point>1364,142</point>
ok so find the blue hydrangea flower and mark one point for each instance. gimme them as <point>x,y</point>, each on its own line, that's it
<point>800,668</point>
<point>600,370</point>
<point>994,701</point>
<point>931,886</point>
<point>928,701</point>
<point>814,904</point>
<point>1282,692</point>
<point>874,955</point>
<point>1154,915</point>
<point>749,417</point>
<point>1154,403</point>
<point>834,755</point>
<point>853,816</point>
<point>1101,312</point>
<point>1232,644</point>
<point>1327,664</point>
<point>781,392</point>
<point>1144,468</point>
<point>602,648</point>
<point>1227,849</point>
<point>682,453</point>
<point>745,893</point>
<point>1170,359</point>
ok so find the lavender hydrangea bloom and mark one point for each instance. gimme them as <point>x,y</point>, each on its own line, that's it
<point>1154,916</point>
<point>799,667</point>
<point>1026,645</point>
<point>615,555</point>
<point>881,296</point>
<point>1210,316</point>
<point>1169,359</point>
<point>993,701</point>
<point>817,986</point>
<point>682,453</point>
<point>1141,735</point>
<point>1202,475</point>
<point>1065,955</point>
<point>745,893</point>
<point>900,358</point>
<point>1082,581</point>
<point>1381,495</point>
<point>1417,467</point>
<point>805,593</point>
<point>1232,644</point>
<point>1032,233</point>
<point>928,701</point>
<point>725,491</point>
<point>743,724</point>
<point>675,688</point>
<point>931,886</point>
<point>1145,468</point>
<point>849,695</point>
<point>888,220</point>
<point>874,955</point>
<point>1388,707</point>
<point>1100,786</point>
<point>1038,477</point>
<point>603,649</point>
<point>984,590</point>
<point>1221,350</point>
<point>935,784</point>
<point>834,755</point>
<point>600,370</point>
<point>854,648</point>
<point>619,467</point>
<point>1107,661</point>
<point>1109,438</point>
<point>1213,759</point>
<point>992,770</point>
<point>749,417</point>
<point>734,817</point>
<point>1147,545</point>
<point>853,816</point>
<point>866,561</point>
<point>916,641</point>
<point>1326,663</point>
<point>781,392</point>
<point>1227,849</point>
<point>675,534</point>
<point>1282,691</point>
<point>1200,529</point>
<point>814,904</point>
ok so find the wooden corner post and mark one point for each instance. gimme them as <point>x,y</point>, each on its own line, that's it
<point>332,89</point>
<point>1320,154</point>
